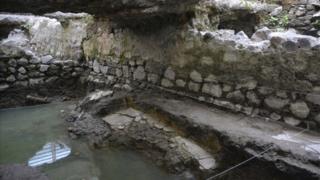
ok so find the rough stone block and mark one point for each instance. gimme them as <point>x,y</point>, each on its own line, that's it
<point>166,83</point>
<point>170,74</point>
<point>276,103</point>
<point>300,109</point>
<point>196,76</point>
<point>195,87</point>
<point>180,83</point>
<point>139,74</point>
<point>153,78</point>
<point>212,89</point>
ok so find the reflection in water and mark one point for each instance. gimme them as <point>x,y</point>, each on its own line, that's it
<point>50,153</point>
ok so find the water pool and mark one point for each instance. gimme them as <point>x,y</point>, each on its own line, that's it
<point>28,133</point>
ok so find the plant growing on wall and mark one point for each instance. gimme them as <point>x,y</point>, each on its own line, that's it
<point>316,24</point>
<point>280,21</point>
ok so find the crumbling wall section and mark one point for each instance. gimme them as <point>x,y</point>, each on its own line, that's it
<point>304,15</point>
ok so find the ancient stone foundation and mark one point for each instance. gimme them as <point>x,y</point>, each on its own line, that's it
<point>270,74</point>
<point>256,61</point>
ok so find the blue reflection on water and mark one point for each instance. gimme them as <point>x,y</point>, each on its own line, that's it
<point>50,153</point>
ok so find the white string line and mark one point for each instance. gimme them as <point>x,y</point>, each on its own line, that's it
<point>251,158</point>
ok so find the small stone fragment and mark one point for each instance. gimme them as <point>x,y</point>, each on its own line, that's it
<point>211,78</point>
<point>22,77</point>
<point>261,34</point>
<point>36,81</point>
<point>180,83</point>
<point>236,96</point>
<point>22,70</point>
<point>96,66</point>
<point>104,69</point>
<point>139,74</point>
<point>46,59</point>
<point>282,94</point>
<point>300,109</point>
<point>226,88</point>
<point>170,74</point>
<point>3,87</point>
<point>11,78</point>
<point>166,83</point>
<point>12,69</point>
<point>212,89</point>
<point>153,78</point>
<point>275,116</point>
<point>194,86</point>
<point>276,103</point>
<point>43,68</point>
<point>22,61</point>
<point>250,84</point>
<point>253,98</point>
<point>12,62</point>
<point>292,121</point>
<point>118,72</point>
<point>313,98</point>
<point>196,77</point>
<point>265,90</point>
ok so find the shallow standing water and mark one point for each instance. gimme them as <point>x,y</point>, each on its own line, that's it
<point>25,131</point>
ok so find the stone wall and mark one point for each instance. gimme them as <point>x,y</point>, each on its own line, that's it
<point>31,72</point>
<point>40,53</point>
<point>271,74</point>
<point>304,16</point>
<point>293,107</point>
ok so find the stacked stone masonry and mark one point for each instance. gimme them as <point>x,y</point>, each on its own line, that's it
<point>271,74</point>
<point>32,72</point>
<point>304,15</point>
<point>292,107</point>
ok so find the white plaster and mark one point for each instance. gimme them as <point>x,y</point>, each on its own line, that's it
<point>310,145</point>
<point>100,94</point>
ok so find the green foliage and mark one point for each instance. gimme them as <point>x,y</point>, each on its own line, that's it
<point>281,21</point>
<point>316,24</point>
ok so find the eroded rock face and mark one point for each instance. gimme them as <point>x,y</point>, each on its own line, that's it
<point>58,35</point>
<point>132,7</point>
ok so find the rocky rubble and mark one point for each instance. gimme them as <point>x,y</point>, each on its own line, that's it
<point>180,134</point>
<point>137,130</point>
<point>263,40</point>
<point>136,126</point>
